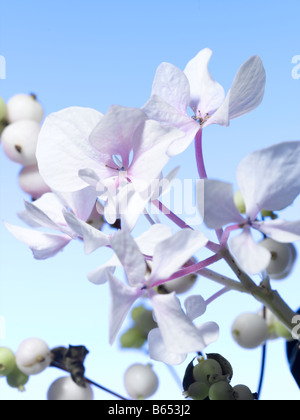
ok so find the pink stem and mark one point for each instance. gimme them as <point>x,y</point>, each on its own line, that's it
<point>199,155</point>
<point>170,215</point>
<point>190,269</point>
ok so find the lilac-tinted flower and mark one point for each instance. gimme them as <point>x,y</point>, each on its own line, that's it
<point>175,92</point>
<point>268,179</point>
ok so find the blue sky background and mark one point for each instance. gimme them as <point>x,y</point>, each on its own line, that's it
<point>99,53</point>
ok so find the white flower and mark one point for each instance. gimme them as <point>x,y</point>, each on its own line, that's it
<point>268,179</point>
<point>175,91</point>
<point>48,212</point>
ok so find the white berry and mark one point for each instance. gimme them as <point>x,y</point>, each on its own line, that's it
<point>24,107</point>
<point>283,256</point>
<point>140,381</point>
<point>65,389</point>
<point>19,141</point>
<point>32,183</point>
<point>33,356</point>
<point>250,330</point>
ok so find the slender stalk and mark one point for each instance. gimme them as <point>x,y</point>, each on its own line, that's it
<point>270,298</point>
<point>170,215</point>
<point>199,155</point>
<point>58,366</point>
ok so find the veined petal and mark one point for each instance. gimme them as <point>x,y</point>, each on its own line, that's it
<point>173,323</point>
<point>157,349</point>
<point>43,245</point>
<point>172,253</point>
<point>41,217</point>
<point>80,202</point>
<point>206,94</point>
<point>218,208</point>
<point>250,256</point>
<point>280,230</point>
<point>130,256</point>
<point>159,110</point>
<point>246,92</point>
<point>148,240</point>
<point>63,148</point>
<point>92,237</point>
<point>270,178</point>
<point>122,298</point>
<point>172,85</point>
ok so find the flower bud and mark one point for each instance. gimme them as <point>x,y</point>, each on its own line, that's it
<point>33,356</point>
<point>24,107</point>
<point>243,393</point>
<point>198,391</point>
<point>207,369</point>
<point>283,256</point>
<point>65,389</point>
<point>132,338</point>
<point>140,381</point>
<point>250,330</point>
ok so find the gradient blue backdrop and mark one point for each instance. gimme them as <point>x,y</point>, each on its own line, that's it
<point>97,53</point>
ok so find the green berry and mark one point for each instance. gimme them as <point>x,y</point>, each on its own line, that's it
<point>221,391</point>
<point>133,338</point>
<point>239,202</point>
<point>206,369</point>
<point>2,109</point>
<point>243,393</point>
<point>143,320</point>
<point>198,391</point>
<point>17,379</point>
<point>7,361</point>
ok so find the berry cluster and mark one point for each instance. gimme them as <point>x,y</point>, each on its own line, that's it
<point>20,124</point>
<point>210,379</point>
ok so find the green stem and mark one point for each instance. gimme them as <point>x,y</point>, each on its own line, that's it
<point>270,298</point>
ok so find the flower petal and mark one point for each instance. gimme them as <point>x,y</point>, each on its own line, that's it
<point>148,240</point>
<point>130,257</point>
<point>246,92</point>
<point>101,274</point>
<point>206,94</point>
<point>173,323</point>
<point>195,306</point>
<point>92,237</point>
<point>250,256</point>
<point>172,253</point>
<point>280,230</point>
<point>80,202</point>
<point>159,110</point>
<point>122,298</point>
<point>157,349</point>
<point>63,149</point>
<point>218,208</point>
<point>270,178</point>
<point>43,245</point>
<point>172,85</point>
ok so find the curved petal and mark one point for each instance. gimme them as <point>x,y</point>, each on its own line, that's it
<point>101,274</point>
<point>246,92</point>
<point>250,256</point>
<point>92,237</point>
<point>218,208</point>
<point>172,253</point>
<point>122,298</point>
<point>159,110</point>
<point>195,306</point>
<point>43,245</point>
<point>280,230</point>
<point>157,349</point>
<point>270,178</point>
<point>63,149</point>
<point>80,202</point>
<point>173,323</point>
<point>172,85</point>
<point>130,257</point>
<point>148,240</point>
<point>206,94</point>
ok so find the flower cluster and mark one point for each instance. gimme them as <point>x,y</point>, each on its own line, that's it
<point>109,169</point>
